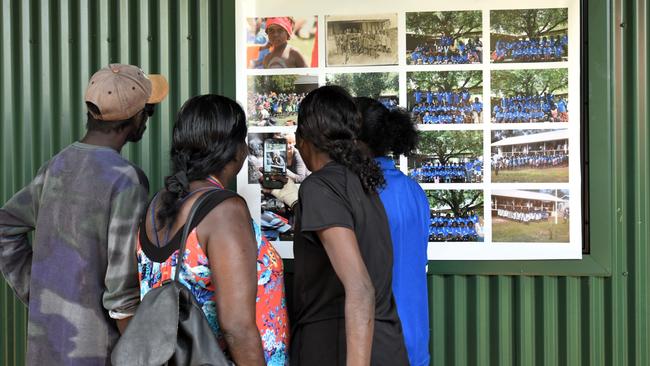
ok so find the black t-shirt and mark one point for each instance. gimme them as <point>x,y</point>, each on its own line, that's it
<point>334,197</point>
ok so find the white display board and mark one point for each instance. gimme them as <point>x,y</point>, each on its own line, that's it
<point>494,86</point>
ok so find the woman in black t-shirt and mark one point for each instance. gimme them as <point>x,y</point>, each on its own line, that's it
<point>343,312</point>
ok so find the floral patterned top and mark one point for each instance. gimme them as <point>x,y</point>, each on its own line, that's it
<point>271,310</point>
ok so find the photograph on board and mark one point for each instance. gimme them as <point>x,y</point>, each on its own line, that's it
<point>529,216</point>
<point>528,96</point>
<point>382,86</point>
<point>266,155</point>
<point>456,215</point>
<point>445,97</point>
<point>448,157</point>
<point>281,42</point>
<point>529,35</point>
<point>530,156</point>
<point>361,40</point>
<point>295,165</point>
<point>273,99</point>
<point>444,37</point>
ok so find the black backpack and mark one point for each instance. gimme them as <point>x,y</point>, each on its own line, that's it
<point>169,327</point>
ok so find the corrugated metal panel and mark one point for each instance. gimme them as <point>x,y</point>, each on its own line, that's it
<point>49,49</point>
<point>549,320</point>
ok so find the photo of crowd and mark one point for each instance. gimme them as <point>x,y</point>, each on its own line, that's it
<point>531,156</point>
<point>361,40</point>
<point>448,157</point>
<point>446,97</point>
<point>456,215</point>
<point>529,35</point>
<point>281,42</point>
<point>440,38</point>
<point>273,100</point>
<point>465,171</point>
<point>530,96</point>
<point>530,215</point>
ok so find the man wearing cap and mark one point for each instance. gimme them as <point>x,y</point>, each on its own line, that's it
<point>79,276</point>
<point>282,54</point>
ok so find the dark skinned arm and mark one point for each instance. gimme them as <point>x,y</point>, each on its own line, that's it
<point>232,253</point>
<point>122,324</point>
<point>343,251</point>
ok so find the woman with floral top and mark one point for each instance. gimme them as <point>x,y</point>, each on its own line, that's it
<point>234,273</point>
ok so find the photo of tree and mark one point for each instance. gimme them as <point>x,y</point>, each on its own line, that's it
<point>448,157</point>
<point>525,96</point>
<point>456,215</point>
<point>383,86</point>
<point>529,35</point>
<point>445,97</point>
<point>444,37</point>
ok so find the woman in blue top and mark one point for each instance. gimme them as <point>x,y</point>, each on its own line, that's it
<point>407,208</point>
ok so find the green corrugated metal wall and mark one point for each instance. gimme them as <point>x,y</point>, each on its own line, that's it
<point>49,49</point>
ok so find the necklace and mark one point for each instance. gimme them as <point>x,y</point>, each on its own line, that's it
<point>214,181</point>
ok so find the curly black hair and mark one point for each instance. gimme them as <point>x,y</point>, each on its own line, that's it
<point>329,119</point>
<point>386,131</point>
<point>208,133</point>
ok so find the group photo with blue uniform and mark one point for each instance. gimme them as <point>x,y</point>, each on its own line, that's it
<point>530,35</point>
<point>530,96</point>
<point>469,170</point>
<point>443,38</point>
<point>456,215</point>
<point>530,108</point>
<point>447,97</point>
<point>532,156</point>
<point>448,157</point>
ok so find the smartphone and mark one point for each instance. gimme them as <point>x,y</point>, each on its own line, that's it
<point>274,163</point>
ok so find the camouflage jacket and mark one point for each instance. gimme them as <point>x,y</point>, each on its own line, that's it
<point>80,272</point>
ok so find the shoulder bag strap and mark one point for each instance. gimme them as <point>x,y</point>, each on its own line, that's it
<point>186,231</point>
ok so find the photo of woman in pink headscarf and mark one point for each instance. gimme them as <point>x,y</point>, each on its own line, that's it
<point>282,42</point>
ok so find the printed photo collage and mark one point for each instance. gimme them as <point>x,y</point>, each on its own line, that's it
<point>492,110</point>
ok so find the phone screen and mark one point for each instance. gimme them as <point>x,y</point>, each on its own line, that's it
<point>275,157</point>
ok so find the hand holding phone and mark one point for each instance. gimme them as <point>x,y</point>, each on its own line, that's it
<point>274,163</point>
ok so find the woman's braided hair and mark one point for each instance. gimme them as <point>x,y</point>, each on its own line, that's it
<point>208,133</point>
<point>329,119</point>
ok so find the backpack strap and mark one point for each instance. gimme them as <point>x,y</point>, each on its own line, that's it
<point>224,194</point>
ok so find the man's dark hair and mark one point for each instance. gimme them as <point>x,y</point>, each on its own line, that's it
<point>93,124</point>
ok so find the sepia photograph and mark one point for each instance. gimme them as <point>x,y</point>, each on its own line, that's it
<point>281,42</point>
<point>444,37</point>
<point>530,156</point>
<point>445,97</point>
<point>456,215</point>
<point>529,216</point>
<point>361,40</point>
<point>529,96</point>
<point>382,86</point>
<point>529,35</point>
<point>448,157</point>
<point>273,99</point>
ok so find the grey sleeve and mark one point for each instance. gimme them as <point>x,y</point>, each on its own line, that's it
<point>17,220</point>
<point>301,169</point>
<point>122,288</point>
